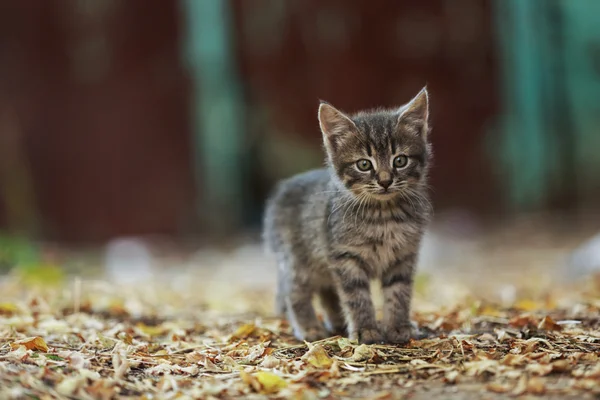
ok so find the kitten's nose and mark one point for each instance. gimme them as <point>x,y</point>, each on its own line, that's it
<point>385,183</point>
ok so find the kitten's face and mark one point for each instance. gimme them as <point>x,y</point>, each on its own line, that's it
<point>380,154</point>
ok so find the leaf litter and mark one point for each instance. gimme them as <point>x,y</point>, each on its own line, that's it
<point>154,342</point>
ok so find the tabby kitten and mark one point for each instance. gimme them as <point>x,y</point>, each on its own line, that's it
<point>333,230</point>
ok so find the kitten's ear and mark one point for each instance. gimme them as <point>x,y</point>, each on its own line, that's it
<point>334,125</point>
<point>414,115</point>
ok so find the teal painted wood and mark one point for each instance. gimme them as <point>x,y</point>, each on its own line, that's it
<point>217,111</point>
<point>522,147</point>
<point>547,140</point>
<point>582,70</point>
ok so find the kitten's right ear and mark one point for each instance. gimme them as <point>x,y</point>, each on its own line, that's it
<point>334,125</point>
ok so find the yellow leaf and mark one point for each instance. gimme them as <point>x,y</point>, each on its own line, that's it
<point>363,353</point>
<point>32,343</point>
<point>8,309</point>
<point>269,382</point>
<point>151,330</point>
<point>318,357</point>
<point>244,331</point>
<point>490,311</point>
<point>528,305</point>
<point>344,342</point>
<point>42,274</point>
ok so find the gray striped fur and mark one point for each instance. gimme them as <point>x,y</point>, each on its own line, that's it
<point>335,229</point>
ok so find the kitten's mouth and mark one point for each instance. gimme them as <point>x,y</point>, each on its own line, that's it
<point>383,194</point>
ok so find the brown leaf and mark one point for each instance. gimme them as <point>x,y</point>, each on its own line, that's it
<point>536,386</point>
<point>35,343</point>
<point>498,387</point>
<point>521,321</point>
<point>514,359</point>
<point>561,366</point>
<point>539,369</point>
<point>521,386</point>
<point>549,324</point>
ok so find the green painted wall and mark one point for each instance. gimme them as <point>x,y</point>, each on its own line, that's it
<point>547,139</point>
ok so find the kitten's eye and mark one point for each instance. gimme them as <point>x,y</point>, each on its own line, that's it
<point>364,165</point>
<point>400,161</point>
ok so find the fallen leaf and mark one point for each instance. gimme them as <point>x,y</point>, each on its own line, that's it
<point>520,387</point>
<point>362,353</point>
<point>35,343</point>
<point>451,377</point>
<point>150,330</point>
<point>536,386</point>
<point>317,357</point>
<point>270,362</point>
<point>528,305</point>
<point>521,321</point>
<point>244,331</point>
<point>69,385</point>
<point>8,309</point>
<point>270,382</point>
<point>539,369</point>
<point>498,387</point>
<point>514,359</point>
<point>561,366</point>
<point>549,324</point>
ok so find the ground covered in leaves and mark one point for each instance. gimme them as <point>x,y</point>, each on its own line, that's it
<point>91,339</point>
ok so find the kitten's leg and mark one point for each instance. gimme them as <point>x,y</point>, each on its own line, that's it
<point>300,311</point>
<point>280,294</point>
<point>353,286</point>
<point>330,301</point>
<point>397,285</point>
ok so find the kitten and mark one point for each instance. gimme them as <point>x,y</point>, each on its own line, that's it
<point>362,218</point>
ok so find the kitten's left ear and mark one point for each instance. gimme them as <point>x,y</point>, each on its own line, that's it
<point>414,116</point>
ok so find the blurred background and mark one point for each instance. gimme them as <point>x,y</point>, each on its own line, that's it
<point>172,120</point>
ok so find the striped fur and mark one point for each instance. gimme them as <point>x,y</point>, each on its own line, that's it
<point>335,229</point>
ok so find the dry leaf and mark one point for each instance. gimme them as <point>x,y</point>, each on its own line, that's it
<point>451,377</point>
<point>270,382</point>
<point>35,343</point>
<point>151,330</point>
<point>69,385</point>
<point>8,309</point>
<point>536,386</point>
<point>317,357</point>
<point>514,359</point>
<point>528,305</point>
<point>362,353</point>
<point>497,387</point>
<point>549,324</point>
<point>270,362</point>
<point>539,369</point>
<point>244,331</point>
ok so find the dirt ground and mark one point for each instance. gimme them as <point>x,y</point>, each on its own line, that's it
<point>503,315</point>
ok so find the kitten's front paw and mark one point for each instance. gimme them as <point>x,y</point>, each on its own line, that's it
<point>399,334</point>
<point>370,336</point>
<point>314,334</point>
